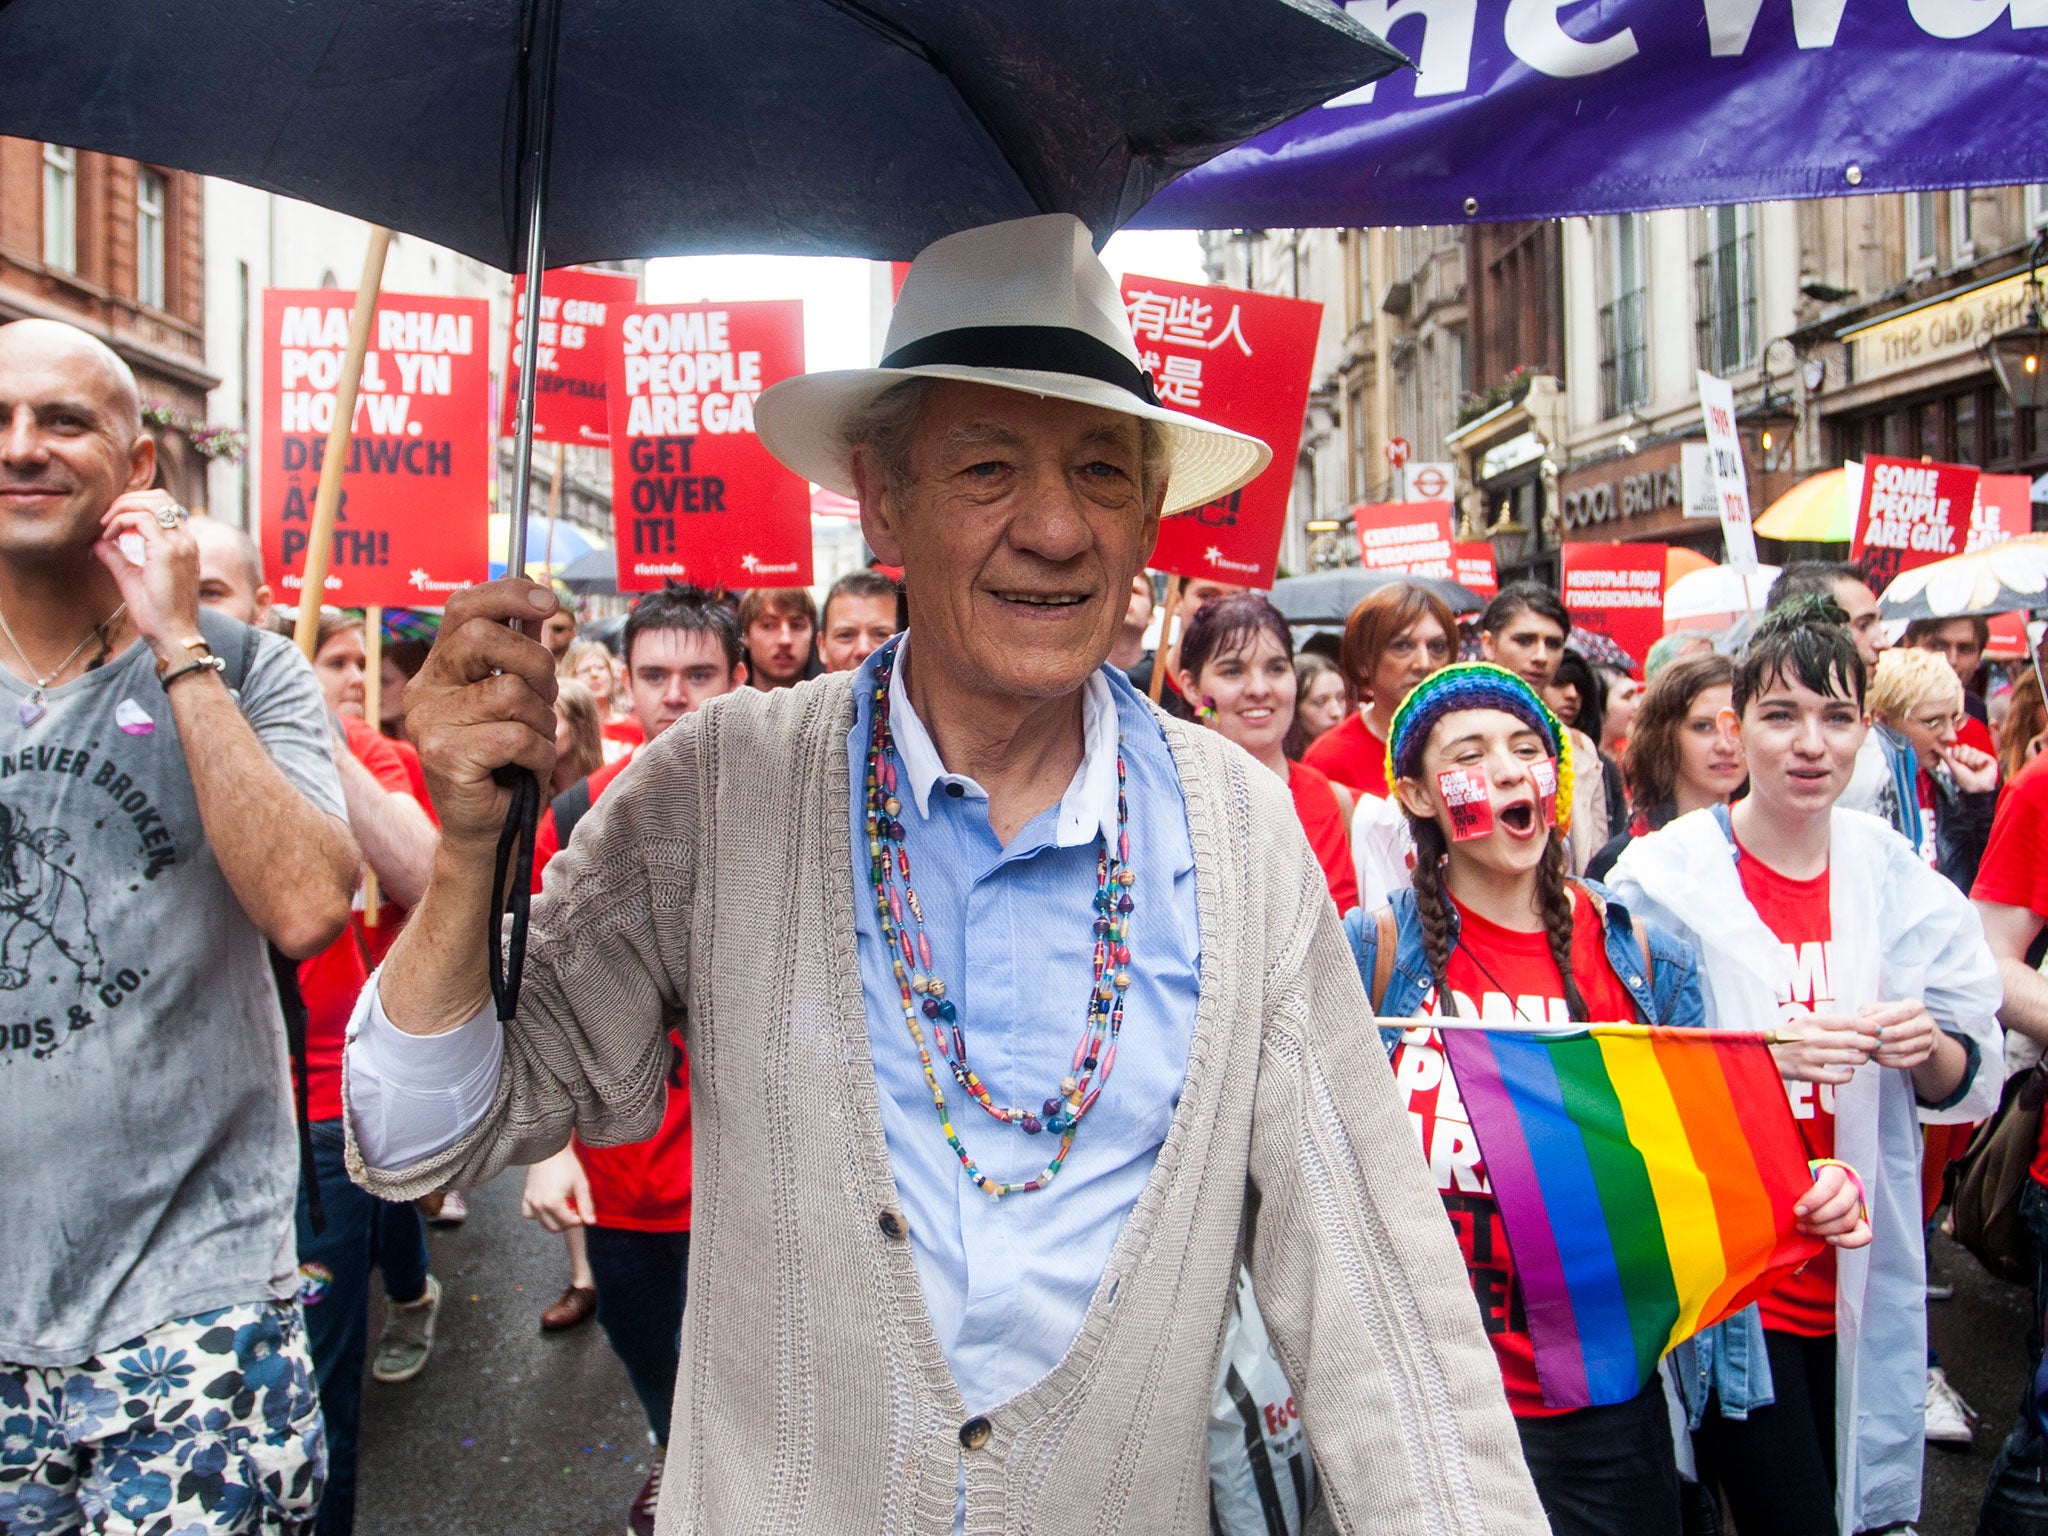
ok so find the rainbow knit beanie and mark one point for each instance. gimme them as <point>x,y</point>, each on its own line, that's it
<point>1476,685</point>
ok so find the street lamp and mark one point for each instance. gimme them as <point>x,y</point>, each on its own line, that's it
<point>2020,356</point>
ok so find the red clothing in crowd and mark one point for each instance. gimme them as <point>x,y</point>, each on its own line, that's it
<point>1797,913</point>
<point>645,1185</point>
<point>331,981</point>
<point>626,730</point>
<point>1497,973</point>
<point>1349,753</point>
<point>1322,818</point>
<point>2014,871</point>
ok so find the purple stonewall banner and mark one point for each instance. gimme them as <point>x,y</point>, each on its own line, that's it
<point>1528,109</point>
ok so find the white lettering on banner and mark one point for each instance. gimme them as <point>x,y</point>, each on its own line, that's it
<point>1182,320</point>
<point>754,565</point>
<point>1729,23</point>
<point>1444,61</point>
<point>1717,405</point>
<point>1540,41</point>
<point>682,378</point>
<point>1223,562</point>
<point>1905,513</point>
<point>407,330</point>
<point>1951,20</point>
<point>307,325</point>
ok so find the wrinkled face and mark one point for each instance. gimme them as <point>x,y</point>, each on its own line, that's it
<point>69,441</point>
<point>340,665</point>
<point>1528,645</point>
<point>1019,532</point>
<point>1800,746</point>
<point>779,645</point>
<point>1414,653</point>
<point>674,671</point>
<point>1501,748</point>
<point>856,626</point>
<point>1710,761</point>
<point>1860,603</point>
<point>594,672</point>
<point>1250,693</point>
<point>1624,697</point>
<point>1957,642</point>
<point>1931,725</point>
<point>1322,707</point>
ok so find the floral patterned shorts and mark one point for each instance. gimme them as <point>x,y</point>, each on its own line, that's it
<point>203,1426</point>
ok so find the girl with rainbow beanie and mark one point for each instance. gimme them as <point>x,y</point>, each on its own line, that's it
<point>1496,929</point>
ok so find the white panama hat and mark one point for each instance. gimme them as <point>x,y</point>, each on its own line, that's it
<point>1023,305</point>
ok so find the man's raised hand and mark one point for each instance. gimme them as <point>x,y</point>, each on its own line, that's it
<point>485,698</point>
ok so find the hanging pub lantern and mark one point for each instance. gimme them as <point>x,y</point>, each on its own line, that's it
<point>2020,356</point>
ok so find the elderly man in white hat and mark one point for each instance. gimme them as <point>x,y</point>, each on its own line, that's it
<point>1015,1011</point>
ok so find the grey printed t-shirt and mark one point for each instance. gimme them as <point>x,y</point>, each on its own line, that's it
<point>148,1156</point>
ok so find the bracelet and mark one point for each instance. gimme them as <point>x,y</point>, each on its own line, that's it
<point>204,664</point>
<point>1814,1166</point>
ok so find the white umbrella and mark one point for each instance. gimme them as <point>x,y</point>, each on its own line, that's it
<point>1717,593</point>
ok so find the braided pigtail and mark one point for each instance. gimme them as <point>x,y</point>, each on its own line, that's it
<point>1554,896</point>
<point>1432,906</point>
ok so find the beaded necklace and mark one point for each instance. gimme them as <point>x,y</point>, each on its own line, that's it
<point>924,993</point>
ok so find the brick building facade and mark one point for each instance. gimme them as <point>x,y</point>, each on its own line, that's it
<point>118,249</point>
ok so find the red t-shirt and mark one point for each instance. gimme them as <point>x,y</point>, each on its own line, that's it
<point>645,1185</point>
<point>1930,809</point>
<point>1975,733</point>
<point>1498,974</point>
<point>2014,871</point>
<point>1349,753</point>
<point>1315,802</point>
<point>331,981</point>
<point>625,729</point>
<point>1797,913</point>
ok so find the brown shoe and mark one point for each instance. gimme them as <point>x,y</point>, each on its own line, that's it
<point>640,1517</point>
<point>577,1305</point>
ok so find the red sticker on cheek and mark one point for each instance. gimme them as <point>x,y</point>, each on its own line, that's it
<point>1543,774</point>
<point>1466,797</point>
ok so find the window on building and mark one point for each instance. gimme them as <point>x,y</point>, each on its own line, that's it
<point>60,207</point>
<point>2037,205</point>
<point>1921,232</point>
<point>1356,433</point>
<point>1724,289</point>
<point>149,238</point>
<point>1624,337</point>
<point>1962,228</point>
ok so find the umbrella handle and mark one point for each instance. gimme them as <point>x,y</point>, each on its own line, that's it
<point>512,891</point>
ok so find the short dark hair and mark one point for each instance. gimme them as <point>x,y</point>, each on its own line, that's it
<point>1520,597</point>
<point>792,601</point>
<point>1920,631</point>
<point>1227,625</point>
<point>1807,640</point>
<point>690,609</point>
<point>1575,669</point>
<point>861,583</point>
<point>1811,578</point>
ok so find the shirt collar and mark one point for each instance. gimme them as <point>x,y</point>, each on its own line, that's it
<point>1088,806</point>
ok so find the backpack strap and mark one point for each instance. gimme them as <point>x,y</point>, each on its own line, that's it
<point>233,642</point>
<point>570,807</point>
<point>1383,956</point>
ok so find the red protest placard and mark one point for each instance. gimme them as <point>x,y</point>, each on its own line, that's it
<point>695,497</point>
<point>411,527</point>
<point>579,319</point>
<point>1472,565</point>
<point>1241,360</point>
<point>2004,509</point>
<point>1617,590</point>
<point>1911,514</point>
<point>1412,537</point>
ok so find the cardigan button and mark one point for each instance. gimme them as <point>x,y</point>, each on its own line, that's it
<point>893,1225</point>
<point>975,1432</point>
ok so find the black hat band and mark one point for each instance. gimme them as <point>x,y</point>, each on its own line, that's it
<point>1034,348</point>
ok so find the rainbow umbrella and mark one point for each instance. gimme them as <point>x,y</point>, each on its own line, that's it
<point>1815,511</point>
<point>568,543</point>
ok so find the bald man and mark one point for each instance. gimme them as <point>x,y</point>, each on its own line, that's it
<point>155,830</point>
<point>231,572</point>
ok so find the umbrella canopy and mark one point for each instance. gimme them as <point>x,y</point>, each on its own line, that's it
<point>1999,578</point>
<point>1327,597</point>
<point>1716,594</point>
<point>1681,561</point>
<point>594,575</point>
<point>841,127</point>
<point>1600,650</point>
<point>570,543</point>
<point>1815,511</point>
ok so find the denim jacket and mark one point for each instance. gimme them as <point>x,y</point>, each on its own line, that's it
<point>1729,1357</point>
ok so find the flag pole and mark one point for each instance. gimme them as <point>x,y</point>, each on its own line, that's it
<point>1173,589</point>
<point>373,709</point>
<point>327,500</point>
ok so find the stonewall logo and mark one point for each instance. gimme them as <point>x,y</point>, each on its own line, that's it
<point>754,565</point>
<point>1223,562</point>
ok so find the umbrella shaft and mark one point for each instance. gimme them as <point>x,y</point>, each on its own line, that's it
<point>544,18</point>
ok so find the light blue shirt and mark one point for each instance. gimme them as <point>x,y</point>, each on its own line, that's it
<point>1012,931</point>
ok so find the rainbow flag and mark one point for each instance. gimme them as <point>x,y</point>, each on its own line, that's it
<point>1645,1178</point>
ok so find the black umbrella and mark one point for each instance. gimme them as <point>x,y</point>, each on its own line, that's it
<point>849,127</point>
<point>593,575</point>
<point>1327,597</point>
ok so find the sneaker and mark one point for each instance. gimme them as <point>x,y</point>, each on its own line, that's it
<point>640,1516</point>
<point>408,1337</point>
<point>454,1210</point>
<point>1948,1416</point>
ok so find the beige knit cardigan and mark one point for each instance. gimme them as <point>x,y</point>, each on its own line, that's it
<point>715,884</point>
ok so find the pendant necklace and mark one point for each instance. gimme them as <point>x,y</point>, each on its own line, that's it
<point>32,708</point>
<point>923,992</point>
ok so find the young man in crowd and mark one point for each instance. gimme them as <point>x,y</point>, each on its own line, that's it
<point>558,631</point>
<point>861,613</point>
<point>1129,649</point>
<point>2011,894</point>
<point>778,626</point>
<point>633,1202</point>
<point>1524,629</point>
<point>149,1326</point>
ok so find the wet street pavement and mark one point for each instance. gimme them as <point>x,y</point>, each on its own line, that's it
<point>512,1432</point>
